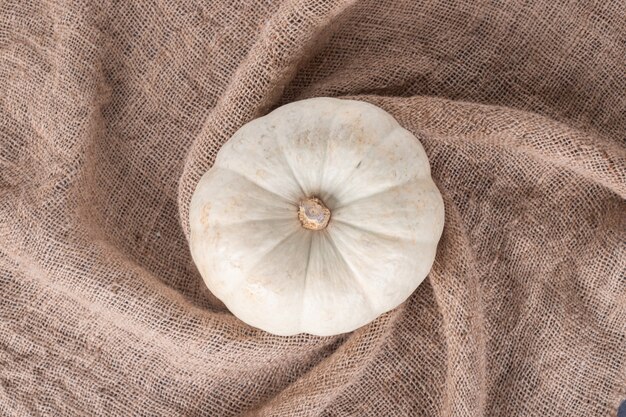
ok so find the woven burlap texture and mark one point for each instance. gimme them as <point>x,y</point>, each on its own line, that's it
<point>110,111</point>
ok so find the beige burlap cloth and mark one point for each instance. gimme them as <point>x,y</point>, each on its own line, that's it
<point>111,110</point>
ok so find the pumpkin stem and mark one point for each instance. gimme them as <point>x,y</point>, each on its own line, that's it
<point>313,214</point>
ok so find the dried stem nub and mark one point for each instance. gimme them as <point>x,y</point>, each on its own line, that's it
<point>313,214</point>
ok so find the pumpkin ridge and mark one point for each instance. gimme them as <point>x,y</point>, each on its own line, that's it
<point>281,148</point>
<point>323,166</point>
<point>374,148</point>
<point>304,281</point>
<point>352,273</point>
<point>244,176</point>
<point>273,248</point>
<point>374,232</point>
<point>384,190</point>
<point>239,223</point>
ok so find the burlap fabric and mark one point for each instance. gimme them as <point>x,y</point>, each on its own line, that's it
<point>111,110</point>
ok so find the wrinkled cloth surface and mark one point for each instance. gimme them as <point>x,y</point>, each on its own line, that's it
<point>110,111</point>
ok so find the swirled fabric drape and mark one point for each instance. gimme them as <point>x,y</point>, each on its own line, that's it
<point>110,111</point>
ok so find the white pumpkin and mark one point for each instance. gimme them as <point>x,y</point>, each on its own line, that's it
<point>316,218</point>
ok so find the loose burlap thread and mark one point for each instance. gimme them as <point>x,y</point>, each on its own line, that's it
<point>111,111</point>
